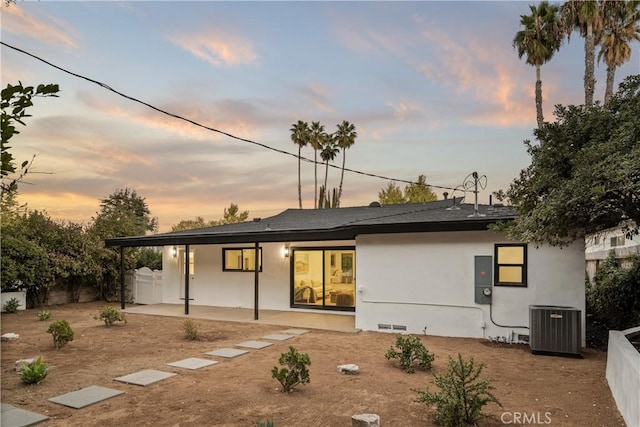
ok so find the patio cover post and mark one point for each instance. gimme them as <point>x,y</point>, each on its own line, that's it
<point>256,259</point>
<point>122,284</point>
<point>186,279</point>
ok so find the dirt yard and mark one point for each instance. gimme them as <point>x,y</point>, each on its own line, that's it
<point>240,392</point>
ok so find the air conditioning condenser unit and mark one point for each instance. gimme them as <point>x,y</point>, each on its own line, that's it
<point>555,330</point>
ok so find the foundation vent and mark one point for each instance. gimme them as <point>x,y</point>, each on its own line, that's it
<point>383,326</point>
<point>399,327</point>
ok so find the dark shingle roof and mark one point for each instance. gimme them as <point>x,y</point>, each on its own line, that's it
<point>335,224</point>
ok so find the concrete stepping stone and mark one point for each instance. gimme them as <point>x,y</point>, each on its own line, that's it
<point>16,417</point>
<point>277,337</point>
<point>227,353</point>
<point>145,377</point>
<point>254,344</point>
<point>192,363</point>
<point>295,331</point>
<point>85,397</point>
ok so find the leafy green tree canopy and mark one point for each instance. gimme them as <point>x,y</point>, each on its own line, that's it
<point>122,214</point>
<point>232,215</point>
<point>416,192</point>
<point>15,101</point>
<point>584,175</point>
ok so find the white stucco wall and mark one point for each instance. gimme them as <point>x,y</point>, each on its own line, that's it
<point>427,280</point>
<point>212,286</point>
<point>623,375</point>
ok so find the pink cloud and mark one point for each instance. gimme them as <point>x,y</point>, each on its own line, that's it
<point>217,49</point>
<point>17,21</point>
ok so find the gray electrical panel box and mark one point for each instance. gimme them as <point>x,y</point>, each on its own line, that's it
<point>483,279</point>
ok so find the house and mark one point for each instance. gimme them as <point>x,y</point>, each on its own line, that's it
<point>613,240</point>
<point>430,268</point>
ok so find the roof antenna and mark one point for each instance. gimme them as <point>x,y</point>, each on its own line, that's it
<point>478,181</point>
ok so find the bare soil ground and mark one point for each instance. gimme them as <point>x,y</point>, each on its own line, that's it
<point>241,392</point>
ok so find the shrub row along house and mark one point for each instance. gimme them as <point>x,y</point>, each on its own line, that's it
<point>429,267</point>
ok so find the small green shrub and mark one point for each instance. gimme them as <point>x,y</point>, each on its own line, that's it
<point>62,333</point>
<point>44,315</point>
<point>35,373</point>
<point>461,397</point>
<point>267,423</point>
<point>410,349</point>
<point>190,330</point>
<point>11,305</point>
<point>110,315</point>
<point>295,371</point>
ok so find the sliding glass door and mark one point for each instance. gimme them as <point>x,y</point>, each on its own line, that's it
<point>323,278</point>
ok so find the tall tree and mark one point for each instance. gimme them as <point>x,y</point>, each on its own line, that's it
<point>15,101</point>
<point>300,137</point>
<point>328,153</point>
<point>345,137</point>
<point>585,16</point>
<point>539,39</point>
<point>123,213</point>
<point>391,194</point>
<point>584,175</point>
<point>419,191</point>
<point>316,138</point>
<point>620,28</point>
<point>232,215</point>
<point>416,192</point>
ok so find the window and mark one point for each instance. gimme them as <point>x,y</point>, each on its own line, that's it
<point>510,264</point>
<point>240,259</point>
<point>617,241</point>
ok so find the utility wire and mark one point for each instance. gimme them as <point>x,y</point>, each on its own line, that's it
<point>176,116</point>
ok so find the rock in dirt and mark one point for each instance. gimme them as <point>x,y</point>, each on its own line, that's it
<point>365,420</point>
<point>350,369</point>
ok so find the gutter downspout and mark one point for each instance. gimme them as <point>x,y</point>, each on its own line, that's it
<point>122,284</point>
<point>256,258</point>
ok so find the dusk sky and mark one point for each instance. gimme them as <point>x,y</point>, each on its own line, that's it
<point>433,88</point>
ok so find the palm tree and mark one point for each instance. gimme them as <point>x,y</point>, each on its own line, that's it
<point>316,138</point>
<point>345,137</point>
<point>539,39</point>
<point>620,27</point>
<point>586,16</point>
<point>300,137</point>
<point>328,153</point>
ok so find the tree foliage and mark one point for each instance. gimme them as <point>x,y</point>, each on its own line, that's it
<point>232,215</point>
<point>123,213</point>
<point>584,175</point>
<point>16,99</point>
<point>416,192</point>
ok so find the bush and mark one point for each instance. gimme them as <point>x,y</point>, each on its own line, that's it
<point>190,330</point>
<point>11,306</point>
<point>295,372</point>
<point>35,373</point>
<point>461,397</point>
<point>267,423</point>
<point>62,333</point>
<point>410,349</point>
<point>44,315</point>
<point>110,315</point>
<point>613,302</point>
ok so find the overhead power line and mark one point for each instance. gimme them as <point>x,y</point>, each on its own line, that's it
<point>193,122</point>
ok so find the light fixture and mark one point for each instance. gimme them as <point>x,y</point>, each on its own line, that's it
<point>285,251</point>
<point>174,252</point>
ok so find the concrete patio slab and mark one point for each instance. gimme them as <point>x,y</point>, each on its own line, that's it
<point>192,363</point>
<point>295,331</point>
<point>227,353</point>
<point>85,397</point>
<point>10,416</point>
<point>277,337</point>
<point>257,345</point>
<point>145,377</point>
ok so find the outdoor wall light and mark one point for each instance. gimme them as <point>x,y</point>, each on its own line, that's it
<point>174,252</point>
<point>285,252</point>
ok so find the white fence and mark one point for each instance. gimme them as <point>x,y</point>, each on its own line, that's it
<point>623,375</point>
<point>147,286</point>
